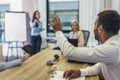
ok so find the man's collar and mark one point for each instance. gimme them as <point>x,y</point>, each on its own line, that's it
<point>113,39</point>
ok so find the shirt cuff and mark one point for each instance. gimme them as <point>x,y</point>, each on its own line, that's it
<point>83,72</point>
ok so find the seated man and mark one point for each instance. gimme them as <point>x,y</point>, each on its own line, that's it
<point>106,54</point>
<point>10,64</point>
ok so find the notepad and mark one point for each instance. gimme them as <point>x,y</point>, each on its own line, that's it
<point>59,76</point>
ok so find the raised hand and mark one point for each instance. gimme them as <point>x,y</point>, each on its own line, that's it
<point>56,23</point>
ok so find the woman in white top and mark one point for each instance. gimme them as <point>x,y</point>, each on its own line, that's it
<point>76,33</point>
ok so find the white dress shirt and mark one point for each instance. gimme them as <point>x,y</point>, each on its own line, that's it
<point>77,35</point>
<point>107,56</point>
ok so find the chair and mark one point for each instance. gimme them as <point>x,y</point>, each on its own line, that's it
<point>86,34</point>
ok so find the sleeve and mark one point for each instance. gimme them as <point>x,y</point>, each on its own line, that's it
<point>81,39</point>
<point>32,24</point>
<point>41,26</point>
<point>90,71</point>
<point>10,64</point>
<point>102,53</point>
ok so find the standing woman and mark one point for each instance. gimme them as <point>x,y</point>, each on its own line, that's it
<point>36,28</point>
<point>76,33</point>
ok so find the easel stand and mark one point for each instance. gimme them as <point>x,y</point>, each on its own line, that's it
<point>14,45</point>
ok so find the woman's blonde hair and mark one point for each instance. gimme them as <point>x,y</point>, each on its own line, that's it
<point>76,24</point>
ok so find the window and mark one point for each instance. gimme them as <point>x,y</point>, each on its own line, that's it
<point>67,10</point>
<point>3,8</point>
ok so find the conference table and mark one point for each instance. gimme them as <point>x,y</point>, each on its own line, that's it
<point>35,68</point>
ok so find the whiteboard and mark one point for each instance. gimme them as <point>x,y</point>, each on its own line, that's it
<point>15,26</point>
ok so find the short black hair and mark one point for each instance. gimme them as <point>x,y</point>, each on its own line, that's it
<point>110,20</point>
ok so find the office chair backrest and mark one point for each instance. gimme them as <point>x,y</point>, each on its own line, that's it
<point>86,34</point>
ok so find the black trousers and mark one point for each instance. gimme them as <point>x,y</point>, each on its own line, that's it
<point>36,43</point>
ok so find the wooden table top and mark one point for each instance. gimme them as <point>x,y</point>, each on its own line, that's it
<point>35,68</point>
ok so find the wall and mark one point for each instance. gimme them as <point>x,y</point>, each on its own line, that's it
<point>87,15</point>
<point>14,6</point>
<point>88,10</point>
<point>116,5</point>
<point>29,6</point>
<point>42,8</point>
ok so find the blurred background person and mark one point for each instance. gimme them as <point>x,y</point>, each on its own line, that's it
<point>36,28</point>
<point>76,33</point>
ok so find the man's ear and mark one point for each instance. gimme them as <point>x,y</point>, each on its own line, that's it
<point>100,29</point>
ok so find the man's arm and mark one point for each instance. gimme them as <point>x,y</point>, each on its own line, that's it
<point>10,64</point>
<point>93,70</point>
<point>102,53</point>
<point>89,71</point>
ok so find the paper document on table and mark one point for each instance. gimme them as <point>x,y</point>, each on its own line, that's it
<point>59,76</point>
